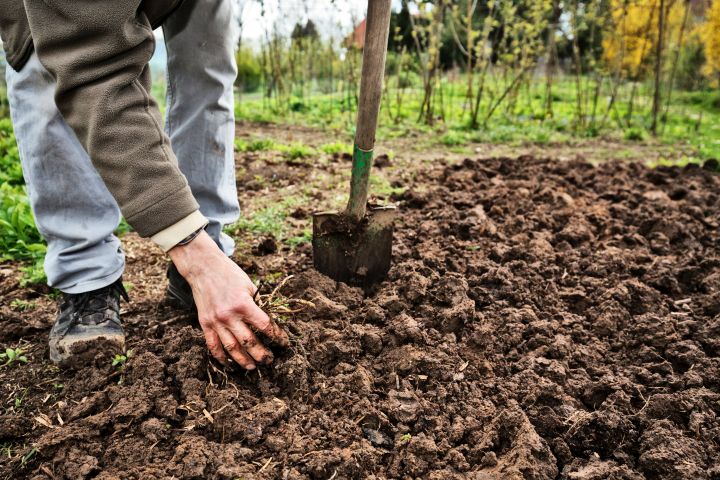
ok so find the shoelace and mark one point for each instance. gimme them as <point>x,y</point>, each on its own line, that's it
<point>84,302</point>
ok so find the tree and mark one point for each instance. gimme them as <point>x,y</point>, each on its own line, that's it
<point>710,36</point>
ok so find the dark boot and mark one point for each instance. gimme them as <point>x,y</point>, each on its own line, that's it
<point>178,293</point>
<point>88,327</point>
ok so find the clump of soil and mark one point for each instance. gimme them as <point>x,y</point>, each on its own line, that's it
<point>542,320</point>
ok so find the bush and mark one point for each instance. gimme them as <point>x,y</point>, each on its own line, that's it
<point>10,169</point>
<point>19,238</point>
<point>249,72</point>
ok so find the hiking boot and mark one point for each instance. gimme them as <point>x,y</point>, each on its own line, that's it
<point>88,327</point>
<point>178,293</point>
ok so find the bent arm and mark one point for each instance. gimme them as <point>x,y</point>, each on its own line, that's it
<point>98,52</point>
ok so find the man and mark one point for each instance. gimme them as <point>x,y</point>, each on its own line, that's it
<point>91,56</point>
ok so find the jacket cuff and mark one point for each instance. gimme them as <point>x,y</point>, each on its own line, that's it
<point>174,234</point>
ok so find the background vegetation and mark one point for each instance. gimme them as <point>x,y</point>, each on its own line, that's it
<point>459,72</point>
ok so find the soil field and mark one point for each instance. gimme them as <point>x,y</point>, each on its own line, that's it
<point>543,319</point>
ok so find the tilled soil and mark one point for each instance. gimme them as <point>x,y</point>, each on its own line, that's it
<point>542,320</point>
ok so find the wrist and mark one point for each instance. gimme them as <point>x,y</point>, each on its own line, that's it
<point>191,257</point>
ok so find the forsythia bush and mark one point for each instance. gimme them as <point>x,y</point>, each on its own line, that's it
<point>710,35</point>
<point>631,42</point>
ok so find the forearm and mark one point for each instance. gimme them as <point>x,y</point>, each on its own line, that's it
<point>98,53</point>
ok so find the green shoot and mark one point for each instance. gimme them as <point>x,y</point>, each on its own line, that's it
<point>120,359</point>
<point>26,458</point>
<point>12,355</point>
<point>23,305</point>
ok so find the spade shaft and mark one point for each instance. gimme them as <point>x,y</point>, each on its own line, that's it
<point>377,27</point>
<point>355,246</point>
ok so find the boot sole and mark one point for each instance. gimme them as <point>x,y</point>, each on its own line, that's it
<point>83,350</point>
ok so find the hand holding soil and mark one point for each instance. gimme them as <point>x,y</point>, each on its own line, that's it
<point>224,297</point>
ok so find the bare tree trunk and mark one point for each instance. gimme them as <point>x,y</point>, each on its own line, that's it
<point>551,62</point>
<point>658,68</point>
<point>671,84</point>
<point>469,53</point>
<point>633,91</point>
<point>579,114</point>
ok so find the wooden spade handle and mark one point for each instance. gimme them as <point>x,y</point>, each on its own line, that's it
<point>377,28</point>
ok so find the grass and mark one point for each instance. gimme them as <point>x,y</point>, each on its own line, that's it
<point>693,118</point>
<point>691,127</point>
<point>268,220</point>
<point>292,151</point>
<point>23,305</point>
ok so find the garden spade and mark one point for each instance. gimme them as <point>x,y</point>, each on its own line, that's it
<point>355,246</point>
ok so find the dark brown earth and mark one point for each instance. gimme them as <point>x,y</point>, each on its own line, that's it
<point>543,319</point>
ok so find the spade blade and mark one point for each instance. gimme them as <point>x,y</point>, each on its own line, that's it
<point>357,253</point>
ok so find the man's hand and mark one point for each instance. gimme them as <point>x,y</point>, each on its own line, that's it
<point>223,295</point>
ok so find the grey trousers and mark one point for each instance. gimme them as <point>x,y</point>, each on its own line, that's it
<point>73,209</point>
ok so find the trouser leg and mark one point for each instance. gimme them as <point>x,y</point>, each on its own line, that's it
<point>73,209</point>
<point>200,116</point>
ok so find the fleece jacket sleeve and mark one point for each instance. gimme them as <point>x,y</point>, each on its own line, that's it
<point>98,52</point>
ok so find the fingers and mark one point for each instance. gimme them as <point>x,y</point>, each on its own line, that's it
<point>231,346</point>
<point>250,343</point>
<point>260,320</point>
<point>214,345</point>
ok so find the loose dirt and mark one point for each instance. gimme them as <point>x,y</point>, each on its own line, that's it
<point>542,319</point>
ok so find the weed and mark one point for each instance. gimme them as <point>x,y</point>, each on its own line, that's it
<point>405,438</point>
<point>19,238</point>
<point>297,151</point>
<point>26,458</point>
<point>254,145</point>
<point>20,399</point>
<point>120,359</point>
<point>23,305</point>
<point>266,221</point>
<point>12,355</point>
<point>128,286</point>
<point>305,237</point>
<point>33,274</point>
<point>10,169</point>
<point>6,449</point>
<point>123,228</point>
<point>634,134</point>
<point>336,147</point>
<point>452,139</point>
<point>381,187</point>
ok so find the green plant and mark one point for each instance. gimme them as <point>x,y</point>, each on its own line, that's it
<point>336,147</point>
<point>255,145</point>
<point>120,359</point>
<point>266,221</point>
<point>634,134</point>
<point>26,458</point>
<point>296,151</point>
<point>23,305</point>
<point>452,139</point>
<point>123,228</point>
<point>304,237</point>
<point>12,355</point>
<point>405,438</point>
<point>249,70</point>
<point>33,274</point>
<point>19,237</point>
